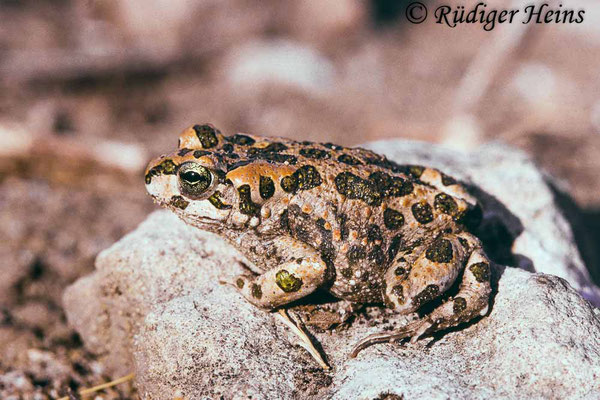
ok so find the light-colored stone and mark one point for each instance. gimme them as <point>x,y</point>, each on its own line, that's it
<point>154,306</point>
<point>541,340</point>
<point>162,260</point>
<point>212,344</point>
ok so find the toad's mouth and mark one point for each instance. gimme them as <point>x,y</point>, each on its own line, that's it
<point>196,220</point>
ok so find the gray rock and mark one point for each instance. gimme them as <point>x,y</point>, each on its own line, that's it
<point>541,340</point>
<point>154,306</point>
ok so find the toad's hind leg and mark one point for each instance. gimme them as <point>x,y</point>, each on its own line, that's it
<point>446,184</point>
<point>471,300</point>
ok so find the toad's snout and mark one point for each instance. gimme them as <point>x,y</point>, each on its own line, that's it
<point>161,178</point>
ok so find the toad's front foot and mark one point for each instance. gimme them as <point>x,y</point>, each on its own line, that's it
<point>297,328</point>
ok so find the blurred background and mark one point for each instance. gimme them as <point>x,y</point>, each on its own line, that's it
<point>91,90</point>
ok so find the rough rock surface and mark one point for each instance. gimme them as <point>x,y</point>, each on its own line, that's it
<point>154,305</point>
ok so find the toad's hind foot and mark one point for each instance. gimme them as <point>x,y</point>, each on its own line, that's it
<point>413,330</point>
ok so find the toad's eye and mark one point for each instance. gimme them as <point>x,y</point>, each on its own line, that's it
<point>191,177</point>
<point>194,179</point>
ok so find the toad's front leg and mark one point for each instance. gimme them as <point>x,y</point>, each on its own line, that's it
<point>287,282</point>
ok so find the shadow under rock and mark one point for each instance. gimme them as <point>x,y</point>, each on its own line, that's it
<point>498,230</point>
<point>586,229</point>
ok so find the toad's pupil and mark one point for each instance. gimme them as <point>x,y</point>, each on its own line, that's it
<point>191,177</point>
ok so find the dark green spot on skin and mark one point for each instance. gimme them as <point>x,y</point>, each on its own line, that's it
<point>399,188</point>
<point>422,212</point>
<point>390,186</point>
<point>416,170</point>
<point>374,233</point>
<point>392,219</point>
<point>289,184</point>
<point>227,147</point>
<point>207,135</point>
<point>332,146</point>
<point>241,140</point>
<point>239,283</point>
<point>328,253</point>
<point>179,202</point>
<point>428,294</point>
<point>448,180</point>
<point>342,220</point>
<point>394,247</point>
<point>376,255</point>
<point>270,153</point>
<point>304,178</point>
<point>481,271</point>
<point>238,164</point>
<point>364,277</point>
<point>308,177</point>
<point>375,284</point>
<point>409,248</point>
<point>357,188</point>
<point>440,251</point>
<point>400,271</point>
<point>398,291</point>
<point>201,153</point>
<point>183,152</point>
<point>256,291</point>
<point>220,175</point>
<point>464,242</point>
<point>388,303</point>
<point>317,154</point>
<point>215,200</point>
<point>459,305</point>
<point>274,148</point>
<point>266,187</point>
<point>349,160</point>
<point>246,205</point>
<point>346,273</point>
<point>284,221</point>
<point>445,204</point>
<point>287,282</point>
<point>274,158</point>
<point>375,159</point>
<point>321,224</point>
<point>355,254</point>
<point>381,180</point>
<point>167,167</point>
